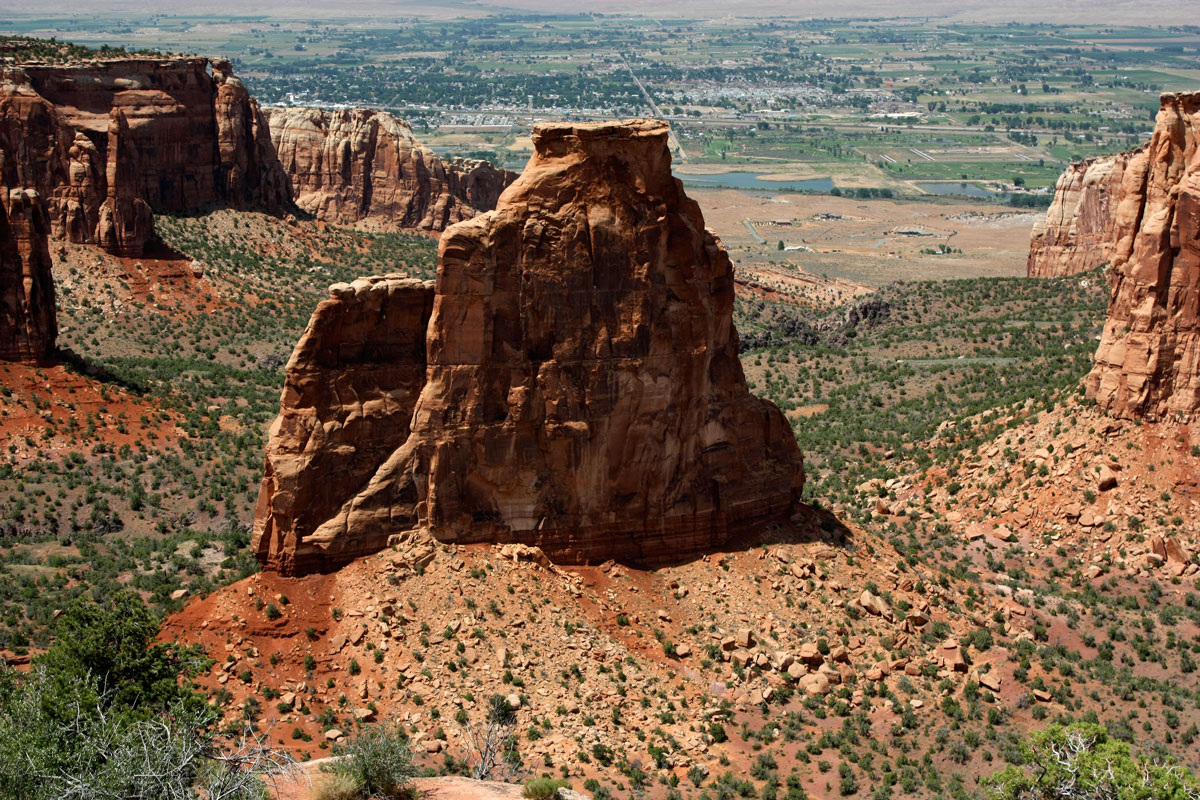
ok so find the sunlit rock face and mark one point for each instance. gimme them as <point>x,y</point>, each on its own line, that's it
<point>1148,362</point>
<point>582,389</point>
<point>362,165</point>
<point>106,143</point>
<point>1076,234</point>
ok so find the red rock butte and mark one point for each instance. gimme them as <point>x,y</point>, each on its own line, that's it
<point>106,142</point>
<point>581,389</point>
<point>1148,361</point>
<point>356,165</point>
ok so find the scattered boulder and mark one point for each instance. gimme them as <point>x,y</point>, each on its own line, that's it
<point>873,604</point>
<point>1106,479</point>
<point>1176,553</point>
<point>952,656</point>
<point>815,683</point>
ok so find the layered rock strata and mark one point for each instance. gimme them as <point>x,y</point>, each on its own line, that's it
<point>583,391</point>
<point>477,182</point>
<point>1076,234</point>
<point>357,165</point>
<point>108,143</point>
<point>1148,361</point>
<point>187,134</point>
<point>27,312</point>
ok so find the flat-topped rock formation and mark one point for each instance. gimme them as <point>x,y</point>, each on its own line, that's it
<point>1148,361</point>
<point>28,326</point>
<point>1076,234</point>
<point>582,392</point>
<point>359,164</point>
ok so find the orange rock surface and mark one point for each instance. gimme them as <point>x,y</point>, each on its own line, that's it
<point>359,164</point>
<point>1077,232</point>
<point>27,313</point>
<point>185,139</point>
<point>583,391</point>
<point>348,398</point>
<point>1148,361</point>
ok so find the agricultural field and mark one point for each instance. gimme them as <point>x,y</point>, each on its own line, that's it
<point>991,113</point>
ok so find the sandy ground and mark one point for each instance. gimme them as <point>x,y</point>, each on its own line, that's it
<point>871,242</point>
<point>306,786</point>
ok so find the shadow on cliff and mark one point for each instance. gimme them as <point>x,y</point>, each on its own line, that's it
<point>807,525</point>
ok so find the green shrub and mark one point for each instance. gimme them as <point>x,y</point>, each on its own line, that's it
<point>543,788</point>
<point>338,786</point>
<point>1081,761</point>
<point>377,762</point>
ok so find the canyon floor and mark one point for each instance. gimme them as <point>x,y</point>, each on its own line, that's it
<point>982,552</point>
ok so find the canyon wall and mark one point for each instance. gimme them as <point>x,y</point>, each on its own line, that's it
<point>1148,361</point>
<point>27,312</point>
<point>357,165</point>
<point>108,142</point>
<point>1076,234</point>
<point>582,388</point>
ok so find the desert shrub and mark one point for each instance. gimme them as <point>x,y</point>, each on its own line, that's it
<point>338,786</point>
<point>115,645</point>
<point>102,716</point>
<point>543,788</point>
<point>1081,762</point>
<point>377,762</point>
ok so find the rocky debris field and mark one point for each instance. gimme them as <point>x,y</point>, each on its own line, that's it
<point>816,640</point>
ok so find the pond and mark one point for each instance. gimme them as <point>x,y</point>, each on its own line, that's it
<point>750,180</point>
<point>958,188</point>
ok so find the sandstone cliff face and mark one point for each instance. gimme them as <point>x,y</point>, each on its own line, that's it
<point>249,173</point>
<point>1148,362</point>
<point>348,398</point>
<point>188,139</point>
<point>583,391</point>
<point>1077,232</point>
<point>477,182</point>
<point>360,165</point>
<point>27,312</point>
<point>126,221</point>
<point>42,151</point>
<point>108,143</point>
